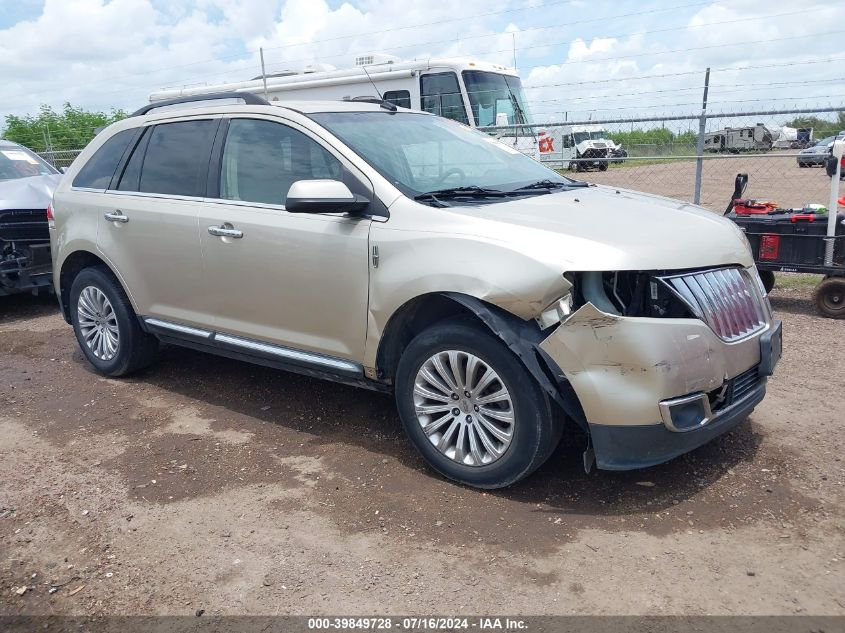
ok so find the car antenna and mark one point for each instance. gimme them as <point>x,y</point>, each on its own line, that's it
<point>384,104</point>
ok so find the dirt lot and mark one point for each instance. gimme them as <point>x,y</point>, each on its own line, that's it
<point>775,178</point>
<point>210,484</point>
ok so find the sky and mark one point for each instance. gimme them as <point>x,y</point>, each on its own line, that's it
<point>578,59</point>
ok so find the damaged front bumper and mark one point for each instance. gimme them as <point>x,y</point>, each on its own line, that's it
<point>631,373</point>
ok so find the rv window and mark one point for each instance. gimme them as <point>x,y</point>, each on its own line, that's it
<point>98,171</point>
<point>402,98</point>
<point>176,160</point>
<point>262,159</point>
<point>441,95</point>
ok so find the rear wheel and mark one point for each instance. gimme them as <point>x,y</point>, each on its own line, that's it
<point>105,325</point>
<point>829,297</point>
<point>471,408</point>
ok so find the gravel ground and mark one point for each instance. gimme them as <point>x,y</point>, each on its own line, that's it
<point>205,483</point>
<point>776,178</point>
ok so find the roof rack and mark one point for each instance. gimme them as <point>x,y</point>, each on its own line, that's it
<point>247,97</point>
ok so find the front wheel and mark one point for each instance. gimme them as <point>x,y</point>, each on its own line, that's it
<point>471,408</point>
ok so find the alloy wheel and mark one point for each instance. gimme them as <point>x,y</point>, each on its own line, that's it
<point>464,408</point>
<point>98,323</point>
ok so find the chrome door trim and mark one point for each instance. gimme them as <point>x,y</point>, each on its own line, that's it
<point>294,355</point>
<point>177,327</point>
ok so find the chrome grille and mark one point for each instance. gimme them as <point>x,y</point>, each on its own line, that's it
<point>726,299</point>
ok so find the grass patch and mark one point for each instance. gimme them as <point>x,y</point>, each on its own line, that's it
<point>796,280</point>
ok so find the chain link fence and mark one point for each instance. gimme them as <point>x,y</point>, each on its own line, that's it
<point>696,157</point>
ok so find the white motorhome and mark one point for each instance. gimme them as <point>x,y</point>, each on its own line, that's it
<point>579,147</point>
<point>476,93</point>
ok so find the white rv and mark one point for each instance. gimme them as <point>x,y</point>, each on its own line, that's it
<point>475,93</point>
<point>741,139</point>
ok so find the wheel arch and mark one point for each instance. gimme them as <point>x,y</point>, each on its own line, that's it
<point>522,338</point>
<point>71,266</point>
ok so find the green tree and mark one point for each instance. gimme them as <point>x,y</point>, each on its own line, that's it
<point>71,128</point>
<point>821,127</point>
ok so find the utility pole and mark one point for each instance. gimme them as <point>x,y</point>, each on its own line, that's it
<point>699,149</point>
<point>263,72</point>
<point>513,39</point>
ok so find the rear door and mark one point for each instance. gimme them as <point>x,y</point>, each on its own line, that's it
<point>149,229</point>
<point>294,280</point>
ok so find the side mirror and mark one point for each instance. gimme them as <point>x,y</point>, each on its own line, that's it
<point>323,196</point>
<point>830,165</point>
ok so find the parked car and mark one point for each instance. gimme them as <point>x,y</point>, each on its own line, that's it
<point>26,187</point>
<point>399,251</point>
<point>815,155</point>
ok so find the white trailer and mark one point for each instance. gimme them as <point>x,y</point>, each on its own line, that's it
<point>741,139</point>
<point>475,93</point>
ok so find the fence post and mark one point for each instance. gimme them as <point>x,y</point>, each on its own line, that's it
<point>699,147</point>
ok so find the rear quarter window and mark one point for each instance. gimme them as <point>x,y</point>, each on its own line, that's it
<point>98,171</point>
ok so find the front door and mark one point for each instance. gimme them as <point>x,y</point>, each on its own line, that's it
<point>294,280</point>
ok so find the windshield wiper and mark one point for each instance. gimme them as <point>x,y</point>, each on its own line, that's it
<point>460,192</point>
<point>552,184</point>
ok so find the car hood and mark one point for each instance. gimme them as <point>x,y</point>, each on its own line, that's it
<point>603,228</point>
<point>34,192</point>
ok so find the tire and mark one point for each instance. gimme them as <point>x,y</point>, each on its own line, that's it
<point>533,430</point>
<point>603,166</point>
<point>768,279</point>
<point>829,297</point>
<point>125,348</point>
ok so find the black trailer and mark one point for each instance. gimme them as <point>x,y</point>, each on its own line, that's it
<point>785,240</point>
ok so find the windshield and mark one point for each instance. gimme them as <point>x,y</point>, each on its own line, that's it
<point>592,136</point>
<point>19,162</point>
<point>495,99</point>
<point>419,153</point>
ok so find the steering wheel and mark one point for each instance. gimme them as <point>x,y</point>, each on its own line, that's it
<point>452,171</point>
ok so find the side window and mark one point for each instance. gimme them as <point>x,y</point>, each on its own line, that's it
<point>567,140</point>
<point>98,171</point>
<point>401,98</point>
<point>441,95</point>
<point>262,159</point>
<point>131,177</point>
<point>176,160</point>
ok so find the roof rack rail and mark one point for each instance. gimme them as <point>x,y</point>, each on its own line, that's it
<point>247,97</point>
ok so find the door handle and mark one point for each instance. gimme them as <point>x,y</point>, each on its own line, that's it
<point>116,216</point>
<point>226,230</point>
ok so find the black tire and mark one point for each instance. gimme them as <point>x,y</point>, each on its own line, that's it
<point>135,348</point>
<point>829,297</point>
<point>768,279</point>
<point>603,166</point>
<point>535,433</point>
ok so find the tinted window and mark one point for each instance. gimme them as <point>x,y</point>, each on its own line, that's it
<point>262,159</point>
<point>132,173</point>
<point>176,161</point>
<point>441,95</point>
<point>402,98</point>
<point>98,171</point>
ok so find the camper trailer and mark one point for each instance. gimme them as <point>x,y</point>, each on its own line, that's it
<point>476,93</point>
<point>741,139</point>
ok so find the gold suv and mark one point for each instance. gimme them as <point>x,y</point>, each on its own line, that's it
<point>399,251</point>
